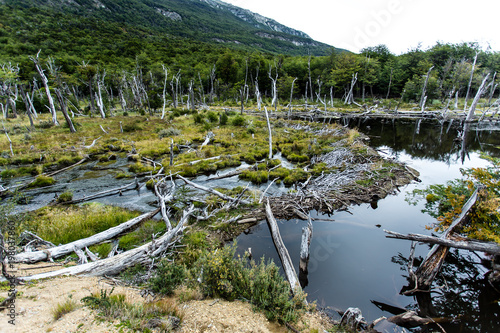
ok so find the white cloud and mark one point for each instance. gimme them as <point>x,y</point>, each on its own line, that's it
<point>400,24</point>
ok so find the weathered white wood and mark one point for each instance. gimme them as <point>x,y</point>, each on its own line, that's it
<point>470,82</point>
<point>82,258</point>
<point>103,193</point>
<point>212,191</point>
<point>59,251</point>
<point>459,243</point>
<point>480,91</point>
<point>165,70</point>
<point>304,245</point>
<point>267,188</point>
<point>270,134</point>
<point>114,265</point>
<point>210,136</point>
<point>62,103</point>
<point>45,82</point>
<point>423,96</point>
<point>286,261</point>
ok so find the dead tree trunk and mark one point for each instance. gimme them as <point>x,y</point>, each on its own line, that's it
<point>62,250</point>
<point>274,89</point>
<point>165,70</point>
<point>470,82</point>
<point>257,92</point>
<point>27,105</point>
<point>350,95</point>
<point>286,261</point>
<point>144,255</point>
<point>270,134</point>
<point>431,266</point>
<point>291,96</point>
<point>389,88</point>
<point>45,82</point>
<point>304,252</point>
<point>100,104</point>
<point>423,97</point>
<point>493,88</point>
<point>480,91</point>
<point>64,111</point>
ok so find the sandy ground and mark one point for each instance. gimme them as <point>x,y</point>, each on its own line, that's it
<point>36,301</point>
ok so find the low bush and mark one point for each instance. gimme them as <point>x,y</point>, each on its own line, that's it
<point>42,181</point>
<point>65,197</point>
<point>168,132</point>
<point>168,277</point>
<point>64,308</point>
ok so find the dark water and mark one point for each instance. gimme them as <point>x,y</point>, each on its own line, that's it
<point>352,264</point>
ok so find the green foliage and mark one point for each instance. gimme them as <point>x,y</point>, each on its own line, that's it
<point>141,235</point>
<point>223,119</point>
<point>61,225</point>
<point>238,121</point>
<point>445,202</point>
<point>42,181</point>
<point>168,277</point>
<point>168,132</point>
<point>229,277</point>
<point>65,197</point>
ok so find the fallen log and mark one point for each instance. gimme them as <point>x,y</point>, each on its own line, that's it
<point>67,168</point>
<point>431,265</point>
<point>212,191</point>
<point>59,251</point>
<point>286,261</point>
<point>304,246</point>
<point>457,242</point>
<point>130,186</point>
<point>144,254</point>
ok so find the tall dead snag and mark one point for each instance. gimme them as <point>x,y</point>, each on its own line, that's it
<point>144,255</point>
<point>62,250</point>
<point>257,92</point>
<point>286,261</point>
<point>350,95</point>
<point>165,70</point>
<point>304,252</point>
<point>45,82</point>
<point>274,89</point>
<point>270,134</point>
<point>291,96</point>
<point>165,195</point>
<point>480,91</point>
<point>62,103</point>
<point>27,104</point>
<point>100,103</point>
<point>470,81</point>
<point>8,138</point>
<point>423,97</point>
<point>431,266</point>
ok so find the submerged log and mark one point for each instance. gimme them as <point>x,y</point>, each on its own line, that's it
<point>211,191</point>
<point>286,261</point>
<point>130,186</point>
<point>456,242</point>
<point>431,265</point>
<point>59,251</point>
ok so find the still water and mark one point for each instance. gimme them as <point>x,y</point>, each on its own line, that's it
<point>352,264</point>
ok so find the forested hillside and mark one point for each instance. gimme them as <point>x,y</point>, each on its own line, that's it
<point>143,57</point>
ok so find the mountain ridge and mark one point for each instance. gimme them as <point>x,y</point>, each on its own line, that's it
<point>210,21</point>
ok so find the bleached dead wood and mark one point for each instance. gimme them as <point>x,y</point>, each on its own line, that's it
<point>480,91</point>
<point>210,136</point>
<point>456,242</point>
<point>144,254</point>
<point>227,175</point>
<point>67,168</point>
<point>304,246</point>
<point>64,111</point>
<point>267,188</point>
<point>286,261</point>
<point>211,191</point>
<point>431,265</point>
<point>59,251</point>
<point>45,83</point>
<point>130,186</point>
<point>8,138</point>
<point>165,195</point>
<point>270,134</point>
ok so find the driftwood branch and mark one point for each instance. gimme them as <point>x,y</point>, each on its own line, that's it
<point>211,191</point>
<point>459,243</point>
<point>288,267</point>
<point>130,186</point>
<point>111,266</point>
<point>59,251</point>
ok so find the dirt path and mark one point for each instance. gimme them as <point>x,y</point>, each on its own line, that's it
<point>37,301</point>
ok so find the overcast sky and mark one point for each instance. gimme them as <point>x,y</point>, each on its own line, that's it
<point>399,24</point>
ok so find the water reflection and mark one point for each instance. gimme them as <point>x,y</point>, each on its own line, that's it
<point>352,262</point>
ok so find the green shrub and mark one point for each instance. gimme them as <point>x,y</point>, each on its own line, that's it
<point>212,117</point>
<point>238,121</point>
<point>256,177</point>
<point>168,277</point>
<point>132,127</point>
<point>42,181</point>
<point>168,132</point>
<point>63,308</point>
<point>198,118</point>
<point>65,197</point>
<point>223,119</point>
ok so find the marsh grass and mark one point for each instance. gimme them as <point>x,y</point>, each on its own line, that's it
<point>61,225</point>
<point>64,308</point>
<point>132,316</point>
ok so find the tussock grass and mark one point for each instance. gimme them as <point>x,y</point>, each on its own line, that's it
<point>61,225</point>
<point>64,308</point>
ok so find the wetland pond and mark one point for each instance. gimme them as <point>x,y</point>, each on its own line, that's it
<point>352,264</point>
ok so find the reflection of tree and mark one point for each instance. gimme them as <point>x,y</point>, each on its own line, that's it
<point>462,292</point>
<point>427,139</point>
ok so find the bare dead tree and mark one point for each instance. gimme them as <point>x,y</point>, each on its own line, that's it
<point>423,96</point>
<point>291,96</point>
<point>274,89</point>
<point>27,105</point>
<point>350,95</point>
<point>470,81</point>
<point>493,88</point>
<point>100,84</point>
<point>8,88</point>
<point>389,86</point>
<point>212,79</point>
<point>191,102</point>
<point>257,92</point>
<point>270,134</point>
<point>62,103</point>
<point>310,78</point>
<point>8,138</point>
<point>480,91</point>
<point>174,84</point>
<point>45,82</point>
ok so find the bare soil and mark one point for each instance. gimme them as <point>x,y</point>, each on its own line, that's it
<point>36,301</point>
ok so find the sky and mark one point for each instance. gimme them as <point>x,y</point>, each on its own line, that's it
<point>399,24</point>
